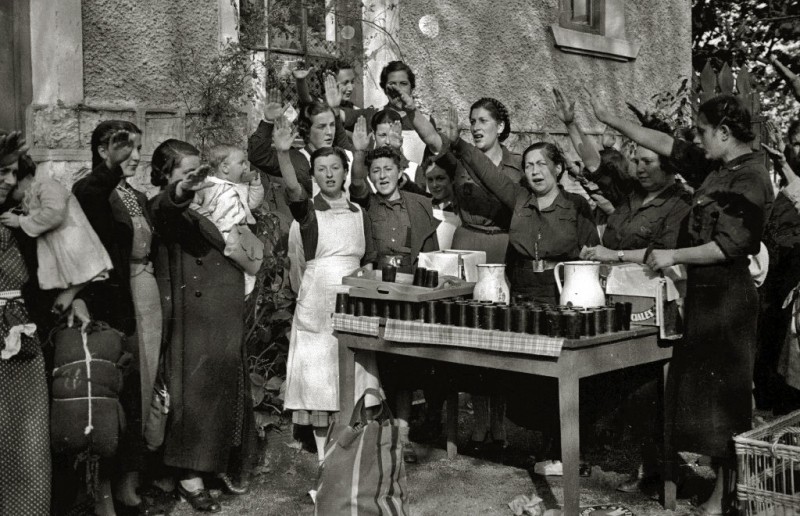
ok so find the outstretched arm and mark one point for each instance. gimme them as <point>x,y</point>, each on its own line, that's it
<point>282,137</point>
<point>583,146</point>
<point>792,78</point>
<point>259,146</point>
<point>656,141</point>
<point>303,93</point>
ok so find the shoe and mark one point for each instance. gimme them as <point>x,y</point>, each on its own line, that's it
<point>200,500</point>
<point>232,488</point>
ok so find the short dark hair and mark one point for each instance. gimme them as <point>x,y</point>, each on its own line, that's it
<point>731,111</point>
<point>25,167</point>
<point>397,66</point>
<point>166,157</point>
<point>384,116</point>
<point>337,66</point>
<point>329,151</point>
<point>103,133</point>
<point>552,151</point>
<point>384,152</point>
<point>306,113</point>
<point>498,111</point>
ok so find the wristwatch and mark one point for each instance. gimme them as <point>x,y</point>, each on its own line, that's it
<point>621,256</point>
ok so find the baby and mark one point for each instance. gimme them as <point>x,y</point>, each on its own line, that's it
<point>234,192</point>
<point>68,250</point>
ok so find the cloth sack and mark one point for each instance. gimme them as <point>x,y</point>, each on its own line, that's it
<point>85,414</point>
<point>363,473</point>
<point>245,249</point>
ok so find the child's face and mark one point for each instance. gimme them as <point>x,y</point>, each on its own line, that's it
<point>384,174</point>
<point>236,168</point>
<point>329,173</point>
<point>23,185</point>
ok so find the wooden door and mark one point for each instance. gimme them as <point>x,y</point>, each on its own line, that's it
<point>15,63</point>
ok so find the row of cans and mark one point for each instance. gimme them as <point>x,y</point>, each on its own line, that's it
<point>532,318</point>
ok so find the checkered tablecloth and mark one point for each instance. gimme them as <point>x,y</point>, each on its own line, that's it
<point>352,324</point>
<point>413,332</point>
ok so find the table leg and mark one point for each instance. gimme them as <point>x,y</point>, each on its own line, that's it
<point>347,382</point>
<point>669,489</point>
<point>452,424</point>
<point>568,398</point>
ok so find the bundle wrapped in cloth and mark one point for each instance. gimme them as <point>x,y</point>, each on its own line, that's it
<point>85,414</point>
<point>454,262</point>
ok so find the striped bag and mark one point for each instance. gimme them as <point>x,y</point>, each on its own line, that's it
<point>363,474</point>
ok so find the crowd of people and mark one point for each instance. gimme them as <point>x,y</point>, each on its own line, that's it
<point>372,187</point>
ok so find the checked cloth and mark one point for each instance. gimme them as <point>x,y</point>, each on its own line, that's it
<point>414,332</point>
<point>353,324</point>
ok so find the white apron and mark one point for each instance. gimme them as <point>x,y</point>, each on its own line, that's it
<point>312,378</point>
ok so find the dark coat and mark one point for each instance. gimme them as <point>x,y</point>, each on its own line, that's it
<point>203,299</point>
<point>110,300</point>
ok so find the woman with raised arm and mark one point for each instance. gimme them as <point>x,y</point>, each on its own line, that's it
<point>336,241</point>
<point>711,374</point>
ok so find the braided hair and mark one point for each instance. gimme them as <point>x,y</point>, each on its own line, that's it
<point>498,111</point>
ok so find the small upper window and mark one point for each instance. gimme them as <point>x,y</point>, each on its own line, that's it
<point>583,15</point>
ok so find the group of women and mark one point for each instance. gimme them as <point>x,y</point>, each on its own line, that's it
<point>514,208</point>
<point>179,299</point>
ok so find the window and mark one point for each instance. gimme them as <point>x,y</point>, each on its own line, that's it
<point>317,32</point>
<point>595,28</point>
<point>583,15</point>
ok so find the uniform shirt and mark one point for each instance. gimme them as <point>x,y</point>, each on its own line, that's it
<point>390,227</point>
<point>554,233</point>
<point>732,204</point>
<point>657,224</point>
<point>477,205</point>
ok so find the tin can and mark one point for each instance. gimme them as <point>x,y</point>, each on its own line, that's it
<point>553,323</point>
<point>342,298</point>
<point>446,312</point>
<point>589,328</point>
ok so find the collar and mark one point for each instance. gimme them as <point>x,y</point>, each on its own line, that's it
<point>510,159</point>
<point>320,204</point>
<point>561,201</point>
<point>386,202</point>
<point>743,160</point>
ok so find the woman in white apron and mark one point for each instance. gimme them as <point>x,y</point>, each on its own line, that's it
<point>332,231</point>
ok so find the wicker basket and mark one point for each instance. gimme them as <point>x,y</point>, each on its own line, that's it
<point>768,457</point>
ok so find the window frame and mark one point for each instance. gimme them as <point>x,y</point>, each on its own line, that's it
<point>597,11</point>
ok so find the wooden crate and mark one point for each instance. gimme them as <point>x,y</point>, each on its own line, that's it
<point>367,283</point>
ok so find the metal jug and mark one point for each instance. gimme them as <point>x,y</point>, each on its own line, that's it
<point>581,284</point>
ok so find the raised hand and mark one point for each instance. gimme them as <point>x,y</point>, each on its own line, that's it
<point>284,135</point>
<point>450,125</point>
<point>564,111</point>
<point>333,96</point>
<point>301,73</point>
<point>12,146</point>
<point>396,135</point>
<point>361,137</point>
<point>120,146</point>
<point>196,179</point>
<point>406,100</point>
<point>600,109</point>
<point>775,139</point>
<point>273,105</point>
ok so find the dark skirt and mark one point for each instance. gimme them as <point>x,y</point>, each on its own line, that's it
<point>494,245</point>
<point>711,373</point>
<point>534,286</point>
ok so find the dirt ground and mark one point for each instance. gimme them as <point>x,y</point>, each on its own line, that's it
<point>464,486</point>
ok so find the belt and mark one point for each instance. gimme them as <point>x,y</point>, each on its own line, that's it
<point>140,261</point>
<point>534,265</point>
<point>485,230</point>
<point>8,296</point>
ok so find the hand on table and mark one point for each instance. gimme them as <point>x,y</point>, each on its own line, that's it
<point>598,253</point>
<point>661,259</point>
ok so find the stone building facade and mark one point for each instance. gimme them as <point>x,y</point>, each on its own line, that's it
<point>74,63</point>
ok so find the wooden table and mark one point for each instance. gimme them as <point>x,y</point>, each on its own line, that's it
<point>579,359</point>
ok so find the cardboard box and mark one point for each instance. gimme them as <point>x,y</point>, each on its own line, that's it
<point>655,302</point>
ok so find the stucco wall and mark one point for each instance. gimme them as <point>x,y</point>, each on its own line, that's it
<point>505,49</point>
<point>131,46</point>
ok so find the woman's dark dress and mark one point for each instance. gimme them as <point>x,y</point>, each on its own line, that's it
<point>203,299</point>
<point>711,374</point>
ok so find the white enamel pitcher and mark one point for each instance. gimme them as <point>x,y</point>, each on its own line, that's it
<point>581,284</point>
